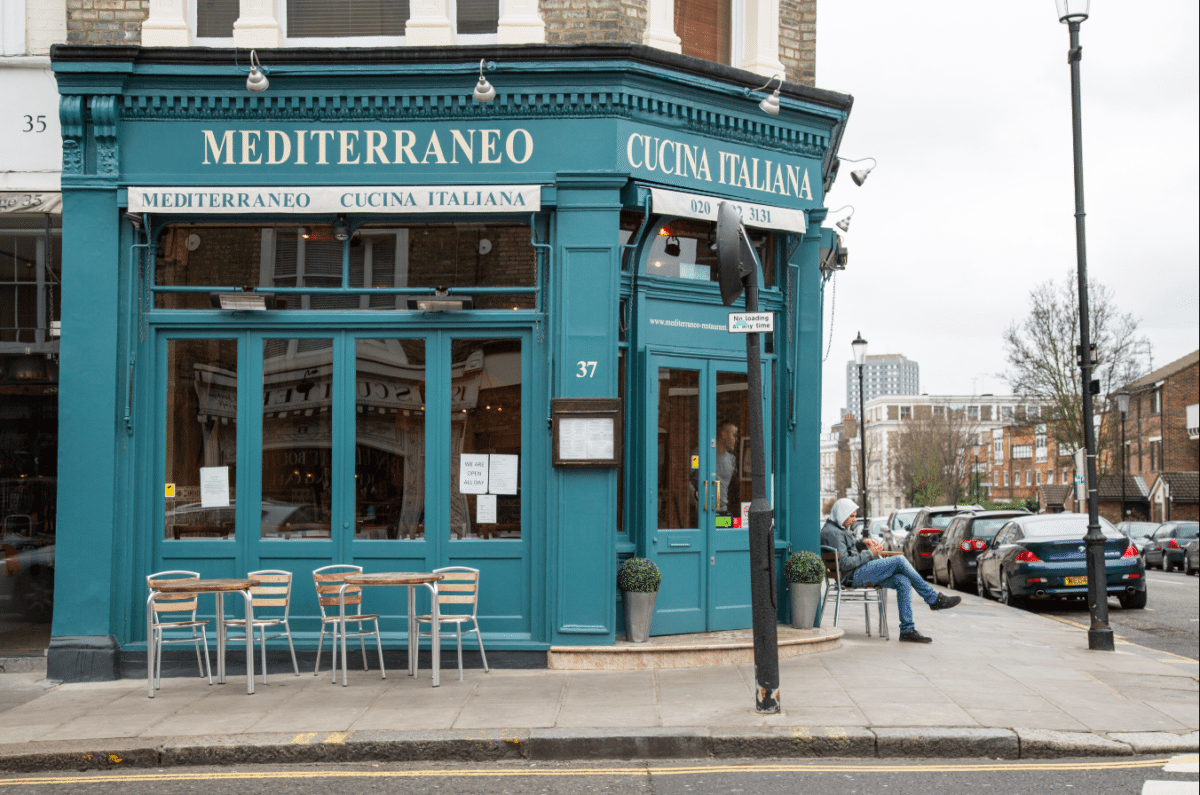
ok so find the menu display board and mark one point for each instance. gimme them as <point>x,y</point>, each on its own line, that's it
<point>587,432</point>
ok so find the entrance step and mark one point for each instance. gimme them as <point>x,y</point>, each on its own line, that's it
<point>733,647</point>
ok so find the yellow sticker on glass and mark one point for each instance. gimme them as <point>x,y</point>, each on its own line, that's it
<point>170,489</point>
<point>695,462</point>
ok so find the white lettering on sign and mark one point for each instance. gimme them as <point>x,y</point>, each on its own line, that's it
<point>693,205</point>
<point>364,147</point>
<point>364,199</point>
<point>682,159</point>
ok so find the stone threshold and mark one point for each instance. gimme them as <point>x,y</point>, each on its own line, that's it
<point>698,650</point>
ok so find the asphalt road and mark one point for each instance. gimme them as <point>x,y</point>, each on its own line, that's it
<point>1120,776</point>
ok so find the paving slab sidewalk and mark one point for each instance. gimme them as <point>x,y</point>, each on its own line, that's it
<point>996,682</point>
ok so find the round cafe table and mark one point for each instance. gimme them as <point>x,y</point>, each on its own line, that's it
<point>410,580</point>
<point>219,588</point>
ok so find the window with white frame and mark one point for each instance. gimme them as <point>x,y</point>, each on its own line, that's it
<point>1006,478</point>
<point>906,412</point>
<point>973,412</point>
<point>998,449</point>
<point>1040,443</point>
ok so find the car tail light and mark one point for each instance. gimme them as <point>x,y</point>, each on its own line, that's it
<point>1174,543</point>
<point>1036,579</point>
<point>965,546</point>
<point>1130,552</point>
<point>1025,556</point>
<point>929,531</point>
<point>1133,576</point>
<point>980,543</point>
<point>927,554</point>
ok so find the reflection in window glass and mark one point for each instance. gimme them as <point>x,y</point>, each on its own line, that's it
<point>215,18</point>
<point>485,439</point>
<point>389,449</point>
<point>297,465</point>
<point>685,249</point>
<point>733,443</point>
<point>424,256</point>
<point>477,16</point>
<point>201,432</point>
<point>678,442</point>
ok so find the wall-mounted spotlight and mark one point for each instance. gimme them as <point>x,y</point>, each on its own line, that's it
<point>860,175</point>
<point>441,301</point>
<point>257,81</point>
<point>769,104</point>
<point>844,224</point>
<point>242,302</point>
<point>340,231</point>
<point>483,89</point>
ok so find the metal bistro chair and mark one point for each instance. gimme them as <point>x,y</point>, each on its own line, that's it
<point>158,604</point>
<point>328,580</point>
<point>274,590</point>
<point>459,586</point>
<point>868,595</point>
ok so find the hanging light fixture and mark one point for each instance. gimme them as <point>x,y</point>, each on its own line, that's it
<point>257,81</point>
<point>844,224</point>
<point>340,232</point>
<point>672,247</point>
<point>860,175</point>
<point>484,92</point>
<point>769,105</point>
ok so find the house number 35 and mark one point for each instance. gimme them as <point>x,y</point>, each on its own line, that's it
<point>586,370</point>
<point>35,124</point>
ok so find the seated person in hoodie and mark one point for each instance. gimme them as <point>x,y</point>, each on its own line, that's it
<point>863,568</point>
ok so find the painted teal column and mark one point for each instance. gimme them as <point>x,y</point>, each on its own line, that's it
<point>582,515</point>
<point>804,482</point>
<point>83,645</point>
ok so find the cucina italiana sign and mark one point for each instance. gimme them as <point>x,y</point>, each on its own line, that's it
<point>327,199</point>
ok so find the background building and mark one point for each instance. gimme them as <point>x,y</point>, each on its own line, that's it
<point>887,374</point>
<point>30,300</point>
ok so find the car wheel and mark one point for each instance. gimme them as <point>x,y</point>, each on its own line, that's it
<point>1132,601</point>
<point>980,587</point>
<point>951,582</point>
<point>1006,595</point>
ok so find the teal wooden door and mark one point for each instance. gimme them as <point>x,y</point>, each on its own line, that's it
<point>699,486</point>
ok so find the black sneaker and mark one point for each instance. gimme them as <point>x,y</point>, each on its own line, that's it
<point>945,602</point>
<point>912,636</point>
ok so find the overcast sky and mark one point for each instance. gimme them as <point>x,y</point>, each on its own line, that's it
<point>967,108</point>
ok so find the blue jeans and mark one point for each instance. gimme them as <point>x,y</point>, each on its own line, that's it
<point>897,573</point>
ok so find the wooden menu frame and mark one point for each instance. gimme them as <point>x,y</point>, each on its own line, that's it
<point>581,426</point>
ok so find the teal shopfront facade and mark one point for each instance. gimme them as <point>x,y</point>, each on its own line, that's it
<point>436,281</point>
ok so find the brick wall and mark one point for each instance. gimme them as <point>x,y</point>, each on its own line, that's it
<point>579,21</point>
<point>1180,453</point>
<point>106,21</point>
<point>798,40</point>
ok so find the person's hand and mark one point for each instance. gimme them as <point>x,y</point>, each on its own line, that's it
<point>875,547</point>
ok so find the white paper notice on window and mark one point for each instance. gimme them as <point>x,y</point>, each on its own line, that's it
<point>472,473</point>
<point>214,487</point>
<point>485,509</point>
<point>502,479</point>
<point>580,439</point>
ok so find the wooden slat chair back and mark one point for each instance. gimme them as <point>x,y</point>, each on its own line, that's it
<point>274,590</point>
<point>459,586</point>
<point>175,613</point>
<point>867,595</point>
<point>328,581</point>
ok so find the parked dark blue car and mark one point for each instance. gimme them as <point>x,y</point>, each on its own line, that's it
<point>1042,557</point>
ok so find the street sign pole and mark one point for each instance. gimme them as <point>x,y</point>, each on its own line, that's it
<point>738,270</point>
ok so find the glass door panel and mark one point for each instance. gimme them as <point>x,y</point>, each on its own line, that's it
<point>485,439</point>
<point>297,438</point>
<point>728,541</point>
<point>389,443</point>
<point>201,439</point>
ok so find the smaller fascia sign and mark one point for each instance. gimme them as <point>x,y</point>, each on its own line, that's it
<point>347,199</point>
<point>695,205</point>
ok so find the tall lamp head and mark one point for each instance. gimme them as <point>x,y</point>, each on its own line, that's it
<point>1123,402</point>
<point>1072,10</point>
<point>859,346</point>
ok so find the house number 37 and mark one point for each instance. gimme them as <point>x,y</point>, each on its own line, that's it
<point>586,370</point>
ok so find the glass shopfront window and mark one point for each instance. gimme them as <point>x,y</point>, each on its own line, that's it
<point>485,439</point>
<point>201,439</point>
<point>389,448</point>
<point>452,255</point>
<point>686,249</point>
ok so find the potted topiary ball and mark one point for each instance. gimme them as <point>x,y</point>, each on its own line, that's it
<point>805,572</point>
<point>638,579</point>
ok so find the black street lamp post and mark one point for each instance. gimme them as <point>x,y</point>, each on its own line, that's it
<point>859,346</point>
<point>1100,634</point>
<point>1123,407</point>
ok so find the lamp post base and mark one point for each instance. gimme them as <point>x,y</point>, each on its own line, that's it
<point>1101,639</point>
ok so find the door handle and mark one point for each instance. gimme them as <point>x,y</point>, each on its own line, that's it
<point>706,495</point>
<point>717,501</point>
<point>681,543</point>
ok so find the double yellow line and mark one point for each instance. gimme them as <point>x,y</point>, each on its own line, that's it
<point>106,777</point>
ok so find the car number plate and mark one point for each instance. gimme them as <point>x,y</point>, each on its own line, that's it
<point>1076,580</point>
